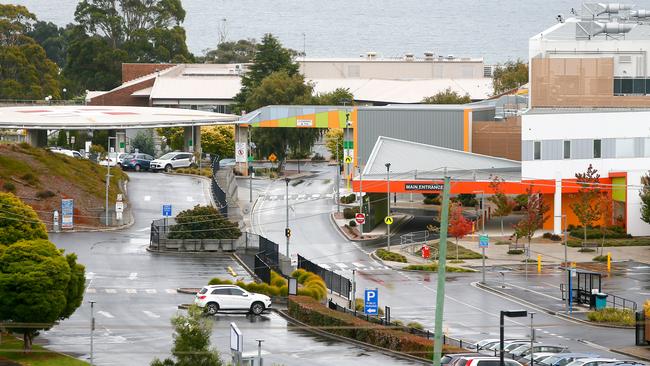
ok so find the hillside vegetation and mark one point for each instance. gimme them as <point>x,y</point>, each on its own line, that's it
<point>42,178</point>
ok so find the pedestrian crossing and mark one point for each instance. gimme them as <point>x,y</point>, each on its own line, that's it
<point>359,266</point>
<point>295,197</point>
<point>130,291</point>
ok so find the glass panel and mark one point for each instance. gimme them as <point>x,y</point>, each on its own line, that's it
<point>567,149</point>
<point>617,86</point>
<point>624,148</point>
<point>627,86</point>
<point>646,147</point>
<point>597,144</point>
<point>538,150</point>
<point>639,86</point>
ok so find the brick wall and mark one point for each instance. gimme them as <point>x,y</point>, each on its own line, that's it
<point>134,71</point>
<point>123,96</point>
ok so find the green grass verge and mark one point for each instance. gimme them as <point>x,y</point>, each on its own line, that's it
<point>205,172</point>
<point>628,242</point>
<point>12,349</point>
<point>390,256</point>
<point>600,258</point>
<point>463,253</point>
<point>434,268</point>
<point>612,316</point>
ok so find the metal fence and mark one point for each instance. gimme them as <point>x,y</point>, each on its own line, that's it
<point>159,240</point>
<point>270,250</point>
<point>218,194</point>
<point>262,269</point>
<point>334,281</point>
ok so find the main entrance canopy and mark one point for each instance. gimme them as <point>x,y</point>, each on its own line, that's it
<point>106,117</point>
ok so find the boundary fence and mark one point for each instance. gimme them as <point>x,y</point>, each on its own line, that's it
<point>334,281</point>
<point>218,194</point>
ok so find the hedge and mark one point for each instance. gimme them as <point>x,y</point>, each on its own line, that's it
<point>309,311</point>
<point>312,285</point>
<point>390,256</point>
<point>350,212</point>
<point>612,232</point>
<point>434,268</point>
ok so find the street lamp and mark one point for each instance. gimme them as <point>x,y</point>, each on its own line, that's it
<point>509,314</point>
<point>92,329</point>
<point>532,339</point>
<point>482,231</point>
<point>388,203</point>
<point>287,231</point>
<point>108,171</point>
<point>64,93</point>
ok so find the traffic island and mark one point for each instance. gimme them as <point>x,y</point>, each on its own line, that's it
<point>351,231</point>
<point>12,354</point>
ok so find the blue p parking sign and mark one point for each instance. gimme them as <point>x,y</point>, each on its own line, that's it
<point>371,299</point>
<point>167,210</point>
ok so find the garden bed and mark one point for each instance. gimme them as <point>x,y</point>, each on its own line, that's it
<point>621,317</point>
<point>434,268</point>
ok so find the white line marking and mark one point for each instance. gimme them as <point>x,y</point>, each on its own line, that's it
<point>357,264</point>
<point>131,291</point>
<point>133,275</point>
<point>147,198</point>
<point>151,291</point>
<point>150,314</point>
<point>341,265</point>
<point>553,334</point>
<point>111,291</point>
<point>190,199</point>
<point>91,291</point>
<point>90,275</point>
<point>170,291</point>
<point>105,313</point>
<point>644,293</point>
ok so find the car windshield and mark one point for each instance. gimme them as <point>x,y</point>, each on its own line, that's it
<point>167,156</point>
<point>130,156</point>
<point>203,290</point>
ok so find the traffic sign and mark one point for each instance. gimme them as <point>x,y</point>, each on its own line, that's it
<point>167,210</point>
<point>119,206</point>
<point>273,158</point>
<point>360,218</point>
<point>348,160</point>
<point>388,220</point>
<point>67,213</point>
<point>371,299</point>
<point>483,241</point>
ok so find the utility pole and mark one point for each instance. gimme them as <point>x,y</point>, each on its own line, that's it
<point>482,232</point>
<point>388,203</point>
<point>353,300</point>
<point>338,179</point>
<point>360,198</point>
<point>108,171</point>
<point>92,329</point>
<point>287,231</point>
<point>250,167</point>
<point>442,262</point>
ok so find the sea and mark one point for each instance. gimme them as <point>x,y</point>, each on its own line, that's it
<point>496,30</point>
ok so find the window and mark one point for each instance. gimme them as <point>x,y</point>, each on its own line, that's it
<point>203,290</point>
<point>624,148</point>
<point>221,291</point>
<point>236,292</point>
<point>597,146</point>
<point>567,149</point>
<point>646,147</point>
<point>537,150</point>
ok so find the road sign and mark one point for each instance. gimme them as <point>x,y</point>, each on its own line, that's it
<point>272,158</point>
<point>388,220</point>
<point>67,213</point>
<point>483,241</point>
<point>360,218</point>
<point>167,210</point>
<point>241,152</point>
<point>119,206</point>
<point>348,160</point>
<point>371,298</point>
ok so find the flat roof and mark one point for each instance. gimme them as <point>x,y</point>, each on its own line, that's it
<point>106,117</point>
<point>538,110</point>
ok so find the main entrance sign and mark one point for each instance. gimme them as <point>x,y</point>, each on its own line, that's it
<point>423,187</point>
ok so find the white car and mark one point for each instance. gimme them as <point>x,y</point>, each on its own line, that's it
<point>217,298</point>
<point>591,361</point>
<point>172,160</point>
<point>113,159</point>
<point>70,153</point>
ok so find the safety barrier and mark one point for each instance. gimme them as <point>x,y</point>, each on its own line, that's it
<point>334,281</point>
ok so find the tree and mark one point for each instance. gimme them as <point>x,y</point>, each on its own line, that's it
<point>203,222</point>
<point>533,220</point>
<point>509,76</point>
<point>38,286</point>
<point>18,221</point>
<point>338,96</point>
<point>173,137</point>
<point>459,226</point>
<point>504,204</point>
<point>242,51</point>
<point>334,142</point>
<point>644,194</point>
<point>191,341</point>
<point>219,141</point>
<point>62,138</point>
<point>586,204</point>
<point>53,40</point>
<point>25,70</point>
<point>447,96</point>
<point>143,141</point>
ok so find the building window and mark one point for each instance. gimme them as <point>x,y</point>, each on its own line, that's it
<point>624,148</point>
<point>597,149</point>
<point>537,150</point>
<point>567,149</point>
<point>646,147</point>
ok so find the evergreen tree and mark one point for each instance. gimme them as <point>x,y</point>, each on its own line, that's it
<point>62,138</point>
<point>645,198</point>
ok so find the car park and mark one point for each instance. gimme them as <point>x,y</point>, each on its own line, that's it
<point>173,160</point>
<point>537,358</point>
<point>484,361</point>
<point>66,152</point>
<point>137,162</point>
<point>113,159</point>
<point>217,298</point>
<point>591,361</point>
<point>524,350</point>
<point>450,358</point>
<point>561,359</point>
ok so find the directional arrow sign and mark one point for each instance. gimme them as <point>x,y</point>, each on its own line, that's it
<point>348,160</point>
<point>388,220</point>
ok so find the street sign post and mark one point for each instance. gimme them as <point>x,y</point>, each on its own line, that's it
<point>426,252</point>
<point>483,242</point>
<point>119,209</point>
<point>360,218</point>
<point>371,302</point>
<point>236,344</point>
<point>167,210</point>
<point>272,158</point>
<point>348,160</point>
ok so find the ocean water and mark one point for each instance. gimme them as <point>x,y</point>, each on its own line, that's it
<point>497,30</point>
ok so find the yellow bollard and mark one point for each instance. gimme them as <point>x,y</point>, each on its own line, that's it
<point>609,262</point>
<point>539,263</point>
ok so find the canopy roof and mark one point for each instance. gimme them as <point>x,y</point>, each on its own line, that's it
<point>106,117</point>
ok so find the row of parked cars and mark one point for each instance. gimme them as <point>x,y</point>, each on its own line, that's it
<point>519,352</point>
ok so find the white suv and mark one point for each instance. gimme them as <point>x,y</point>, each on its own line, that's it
<point>173,160</point>
<point>230,297</point>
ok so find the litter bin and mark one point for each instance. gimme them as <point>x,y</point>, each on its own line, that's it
<point>601,301</point>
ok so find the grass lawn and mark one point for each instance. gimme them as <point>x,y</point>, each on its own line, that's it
<point>12,349</point>
<point>627,242</point>
<point>463,253</point>
<point>434,268</point>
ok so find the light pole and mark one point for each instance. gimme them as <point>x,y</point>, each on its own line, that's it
<point>388,203</point>
<point>360,199</point>
<point>566,260</point>
<point>108,172</point>
<point>338,178</point>
<point>532,339</point>
<point>482,231</point>
<point>509,314</point>
<point>250,166</point>
<point>287,231</point>
<point>92,329</point>
<point>259,351</point>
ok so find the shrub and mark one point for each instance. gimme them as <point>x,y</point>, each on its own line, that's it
<point>317,157</point>
<point>351,198</point>
<point>278,286</point>
<point>515,251</point>
<point>600,258</point>
<point>352,223</point>
<point>45,194</point>
<point>613,316</point>
<point>390,256</point>
<point>350,212</point>
<point>30,179</point>
<point>612,232</point>
<point>313,284</point>
<point>9,187</point>
<point>552,236</point>
<point>586,250</point>
<point>203,222</point>
<point>646,308</point>
<point>415,325</point>
<point>434,268</point>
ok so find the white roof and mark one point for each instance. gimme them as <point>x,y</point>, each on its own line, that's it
<point>196,87</point>
<point>405,91</point>
<point>106,117</point>
<point>411,160</point>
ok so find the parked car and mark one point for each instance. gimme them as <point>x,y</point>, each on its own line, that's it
<point>524,350</point>
<point>137,162</point>
<point>592,361</point>
<point>449,358</point>
<point>561,359</point>
<point>70,153</point>
<point>173,160</point>
<point>218,298</point>
<point>224,163</point>
<point>625,363</point>
<point>484,361</point>
<point>538,358</point>
<point>113,159</point>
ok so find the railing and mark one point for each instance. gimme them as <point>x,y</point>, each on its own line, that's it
<point>414,237</point>
<point>621,302</point>
<point>584,297</point>
<point>639,329</point>
<point>334,281</point>
<point>262,269</point>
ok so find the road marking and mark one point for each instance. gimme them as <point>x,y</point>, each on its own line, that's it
<point>171,291</point>
<point>553,334</point>
<point>315,195</point>
<point>131,291</point>
<point>91,291</point>
<point>151,291</point>
<point>144,229</point>
<point>301,197</point>
<point>111,291</point>
<point>357,264</point>
<point>546,331</point>
<point>139,241</point>
<point>326,266</point>
<point>147,198</point>
<point>341,265</point>
<point>150,314</point>
<point>190,199</point>
<point>133,275</point>
<point>105,313</point>
<point>329,195</point>
<point>90,275</point>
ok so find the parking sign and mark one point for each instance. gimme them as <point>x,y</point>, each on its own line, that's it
<point>167,210</point>
<point>371,302</point>
<point>483,241</point>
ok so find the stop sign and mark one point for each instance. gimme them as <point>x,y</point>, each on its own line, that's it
<point>360,218</point>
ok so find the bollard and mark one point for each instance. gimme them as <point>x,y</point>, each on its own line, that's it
<point>609,261</point>
<point>539,263</point>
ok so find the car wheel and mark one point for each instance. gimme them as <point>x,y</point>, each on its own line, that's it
<point>212,308</point>
<point>168,168</point>
<point>257,308</point>
<point>193,166</point>
<point>137,167</point>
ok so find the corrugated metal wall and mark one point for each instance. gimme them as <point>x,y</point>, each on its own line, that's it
<point>433,127</point>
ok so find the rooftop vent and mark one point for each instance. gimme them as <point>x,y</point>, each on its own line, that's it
<point>409,57</point>
<point>371,55</point>
<point>428,56</point>
<point>592,10</point>
<point>590,29</point>
<point>641,13</point>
